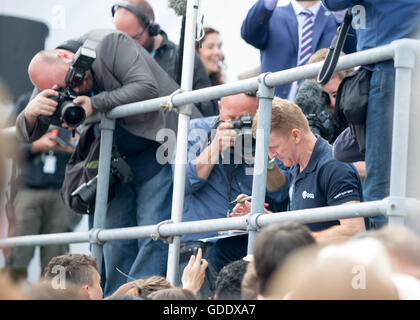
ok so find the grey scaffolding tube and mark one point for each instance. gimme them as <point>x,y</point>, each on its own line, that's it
<point>405,53</point>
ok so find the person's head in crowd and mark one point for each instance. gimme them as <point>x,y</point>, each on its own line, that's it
<point>143,287</point>
<point>290,134</point>
<point>331,86</point>
<point>273,244</point>
<point>78,270</point>
<point>229,279</point>
<point>233,107</point>
<point>137,26</point>
<point>211,54</point>
<point>172,294</point>
<point>45,291</point>
<point>402,245</point>
<point>352,270</point>
<point>48,68</point>
<point>249,286</point>
<point>9,290</point>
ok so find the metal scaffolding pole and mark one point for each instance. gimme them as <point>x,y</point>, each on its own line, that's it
<point>182,137</point>
<point>259,182</point>
<point>107,127</point>
<point>404,62</point>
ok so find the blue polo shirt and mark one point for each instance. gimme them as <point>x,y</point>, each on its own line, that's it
<point>324,182</point>
<point>209,199</point>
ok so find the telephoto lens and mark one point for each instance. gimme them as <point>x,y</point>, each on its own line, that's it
<point>72,114</point>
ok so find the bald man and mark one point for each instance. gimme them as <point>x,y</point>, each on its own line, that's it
<point>47,71</point>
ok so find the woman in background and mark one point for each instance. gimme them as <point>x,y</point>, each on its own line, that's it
<point>211,54</point>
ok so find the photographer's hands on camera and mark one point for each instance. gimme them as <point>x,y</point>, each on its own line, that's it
<point>44,104</point>
<point>223,139</point>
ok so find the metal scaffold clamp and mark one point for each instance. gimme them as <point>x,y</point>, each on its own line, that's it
<point>156,234</point>
<point>170,104</point>
<point>94,237</point>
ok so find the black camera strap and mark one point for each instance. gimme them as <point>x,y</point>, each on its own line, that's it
<point>335,49</point>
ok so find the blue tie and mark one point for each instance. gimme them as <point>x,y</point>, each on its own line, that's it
<point>306,40</point>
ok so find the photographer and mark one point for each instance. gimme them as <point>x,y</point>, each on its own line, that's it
<point>318,104</point>
<point>38,207</point>
<point>122,72</point>
<point>215,176</point>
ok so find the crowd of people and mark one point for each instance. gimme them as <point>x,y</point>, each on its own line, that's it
<point>310,165</point>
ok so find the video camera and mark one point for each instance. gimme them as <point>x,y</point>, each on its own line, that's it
<point>70,113</point>
<point>314,101</point>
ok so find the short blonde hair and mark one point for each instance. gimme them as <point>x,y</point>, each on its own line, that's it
<point>143,287</point>
<point>285,116</point>
<point>321,55</point>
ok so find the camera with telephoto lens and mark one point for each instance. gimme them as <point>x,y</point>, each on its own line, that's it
<point>120,172</point>
<point>244,142</point>
<point>67,111</point>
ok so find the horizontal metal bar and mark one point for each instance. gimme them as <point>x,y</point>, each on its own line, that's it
<point>277,78</point>
<point>365,209</point>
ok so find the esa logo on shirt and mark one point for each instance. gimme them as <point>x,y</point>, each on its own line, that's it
<point>307,195</point>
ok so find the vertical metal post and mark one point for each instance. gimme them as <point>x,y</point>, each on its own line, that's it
<point>182,137</point>
<point>404,62</point>
<point>265,96</point>
<point>107,127</point>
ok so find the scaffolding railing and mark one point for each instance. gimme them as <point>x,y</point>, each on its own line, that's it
<point>405,53</point>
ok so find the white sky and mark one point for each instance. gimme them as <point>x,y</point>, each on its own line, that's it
<point>71,18</point>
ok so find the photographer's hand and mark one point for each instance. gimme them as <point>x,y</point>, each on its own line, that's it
<point>223,139</point>
<point>86,103</point>
<point>44,144</point>
<point>40,105</point>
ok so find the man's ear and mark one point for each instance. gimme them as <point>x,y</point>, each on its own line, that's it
<point>219,104</point>
<point>84,290</point>
<point>296,135</point>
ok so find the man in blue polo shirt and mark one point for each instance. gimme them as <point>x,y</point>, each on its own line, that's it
<point>315,178</point>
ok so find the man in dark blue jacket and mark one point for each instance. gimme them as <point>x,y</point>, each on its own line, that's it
<point>379,23</point>
<point>280,33</point>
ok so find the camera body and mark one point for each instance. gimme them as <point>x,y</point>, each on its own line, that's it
<point>321,120</point>
<point>322,123</point>
<point>68,112</point>
<point>244,147</point>
<point>120,172</point>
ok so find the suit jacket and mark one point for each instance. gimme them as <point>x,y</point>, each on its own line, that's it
<point>123,72</point>
<point>275,33</point>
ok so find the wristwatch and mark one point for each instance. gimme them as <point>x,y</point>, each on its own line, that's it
<point>271,163</point>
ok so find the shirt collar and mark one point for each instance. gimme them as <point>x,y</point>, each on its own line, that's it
<point>315,156</point>
<point>298,8</point>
